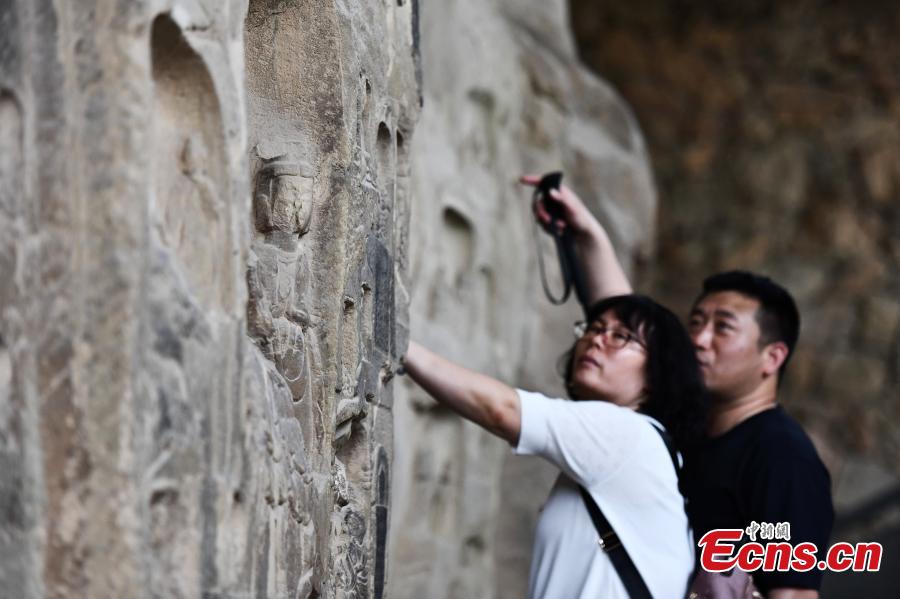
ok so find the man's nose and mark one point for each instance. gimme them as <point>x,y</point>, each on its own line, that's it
<point>702,337</point>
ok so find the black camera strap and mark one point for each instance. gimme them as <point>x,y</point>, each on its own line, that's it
<point>570,267</point>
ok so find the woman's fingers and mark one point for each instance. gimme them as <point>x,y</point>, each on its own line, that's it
<point>563,198</point>
<point>573,205</point>
<point>539,208</point>
<point>562,195</point>
<point>574,215</point>
<point>543,218</point>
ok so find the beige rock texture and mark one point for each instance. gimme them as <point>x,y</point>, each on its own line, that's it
<point>777,148</point>
<point>220,223</point>
<point>198,319</point>
<point>504,94</point>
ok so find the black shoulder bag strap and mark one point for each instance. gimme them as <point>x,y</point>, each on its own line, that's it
<point>610,543</point>
<point>609,540</point>
<point>673,453</point>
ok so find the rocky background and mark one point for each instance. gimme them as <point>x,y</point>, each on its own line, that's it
<point>503,94</point>
<point>774,130</point>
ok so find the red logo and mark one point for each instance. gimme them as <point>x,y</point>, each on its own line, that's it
<point>721,550</point>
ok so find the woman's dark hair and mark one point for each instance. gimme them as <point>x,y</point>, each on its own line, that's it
<point>676,395</point>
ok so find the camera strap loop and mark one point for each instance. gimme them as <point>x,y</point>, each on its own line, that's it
<point>569,266</point>
<point>567,281</point>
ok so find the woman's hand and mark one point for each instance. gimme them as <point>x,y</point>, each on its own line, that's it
<point>602,270</point>
<point>575,214</point>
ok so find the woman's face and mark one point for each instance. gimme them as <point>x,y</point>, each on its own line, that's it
<point>609,363</point>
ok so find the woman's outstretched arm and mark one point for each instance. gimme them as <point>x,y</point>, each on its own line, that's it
<point>484,400</point>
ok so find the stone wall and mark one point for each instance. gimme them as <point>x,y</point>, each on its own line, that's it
<point>202,210</point>
<point>217,231</point>
<point>503,94</point>
<point>773,129</point>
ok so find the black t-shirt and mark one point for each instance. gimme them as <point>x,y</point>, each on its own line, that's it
<point>765,469</point>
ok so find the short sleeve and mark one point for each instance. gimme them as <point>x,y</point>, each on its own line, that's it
<point>586,439</point>
<point>789,483</point>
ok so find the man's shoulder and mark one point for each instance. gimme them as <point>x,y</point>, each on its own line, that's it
<point>776,435</point>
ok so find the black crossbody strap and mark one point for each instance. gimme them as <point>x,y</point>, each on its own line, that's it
<point>609,541</point>
<point>670,446</point>
<point>673,454</point>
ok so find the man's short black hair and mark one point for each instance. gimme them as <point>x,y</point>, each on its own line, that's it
<point>777,316</point>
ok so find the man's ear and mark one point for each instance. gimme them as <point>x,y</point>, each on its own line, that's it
<point>774,355</point>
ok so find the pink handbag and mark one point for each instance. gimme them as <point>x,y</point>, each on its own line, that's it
<point>735,584</point>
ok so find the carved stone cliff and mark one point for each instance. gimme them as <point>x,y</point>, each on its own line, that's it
<point>198,311</point>
<point>503,94</point>
<point>216,232</point>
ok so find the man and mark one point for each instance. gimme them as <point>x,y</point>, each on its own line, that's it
<point>757,465</point>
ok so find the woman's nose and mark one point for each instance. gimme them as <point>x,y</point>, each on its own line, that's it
<point>600,340</point>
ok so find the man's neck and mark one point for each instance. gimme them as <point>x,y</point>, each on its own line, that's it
<point>727,414</point>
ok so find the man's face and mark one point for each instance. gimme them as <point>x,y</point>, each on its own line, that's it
<point>725,333</point>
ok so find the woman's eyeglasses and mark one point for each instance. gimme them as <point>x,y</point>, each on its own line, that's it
<point>615,338</point>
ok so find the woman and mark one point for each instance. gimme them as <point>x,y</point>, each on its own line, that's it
<point>631,369</point>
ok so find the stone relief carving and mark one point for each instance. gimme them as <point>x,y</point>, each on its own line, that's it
<point>11,187</point>
<point>10,152</point>
<point>350,404</point>
<point>278,272</point>
<point>189,178</point>
<point>14,493</point>
<point>382,504</point>
<point>181,298</point>
<point>283,196</point>
<point>353,572</point>
<point>289,349</point>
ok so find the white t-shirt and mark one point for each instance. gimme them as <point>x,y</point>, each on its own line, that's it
<point>617,456</point>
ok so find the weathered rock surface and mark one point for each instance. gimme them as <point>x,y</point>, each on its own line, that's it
<point>773,128</point>
<point>197,316</point>
<point>503,94</point>
<point>776,143</point>
<point>213,219</point>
